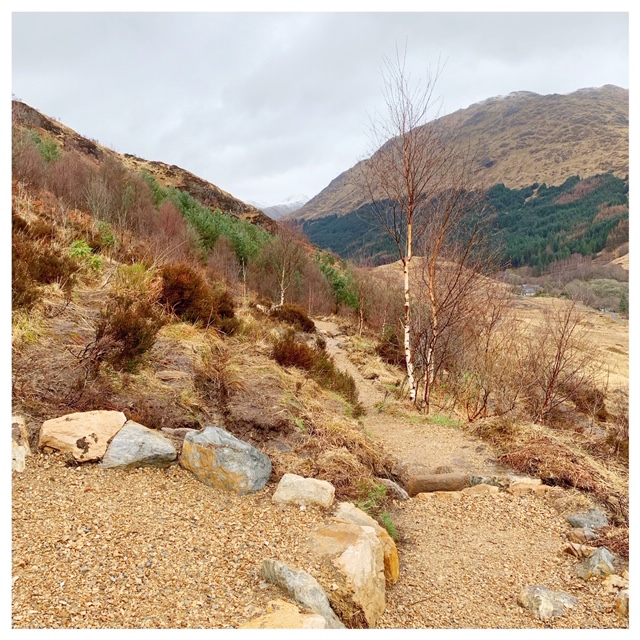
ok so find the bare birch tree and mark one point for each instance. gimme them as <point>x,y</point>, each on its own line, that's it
<point>410,164</point>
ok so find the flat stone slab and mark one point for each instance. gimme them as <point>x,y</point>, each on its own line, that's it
<point>480,489</point>
<point>84,435</point>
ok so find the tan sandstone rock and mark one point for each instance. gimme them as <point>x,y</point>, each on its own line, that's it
<point>348,512</point>
<point>284,615</point>
<point>84,435</point>
<point>480,489</point>
<point>355,555</point>
<point>295,489</point>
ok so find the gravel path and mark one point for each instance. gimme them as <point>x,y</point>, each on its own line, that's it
<point>150,548</point>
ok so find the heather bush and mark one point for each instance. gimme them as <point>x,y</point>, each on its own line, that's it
<point>295,316</point>
<point>186,294</point>
<point>288,352</point>
<point>129,321</point>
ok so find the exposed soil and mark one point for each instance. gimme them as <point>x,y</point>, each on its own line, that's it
<point>155,548</point>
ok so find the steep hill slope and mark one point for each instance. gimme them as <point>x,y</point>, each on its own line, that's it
<point>521,139</point>
<point>165,175</point>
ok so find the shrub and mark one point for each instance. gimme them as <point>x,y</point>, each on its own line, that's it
<point>287,352</point>
<point>129,321</point>
<point>81,250</point>
<point>36,263</point>
<point>186,294</point>
<point>294,315</point>
<point>390,349</point>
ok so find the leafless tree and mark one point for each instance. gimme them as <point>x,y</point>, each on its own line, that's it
<point>421,197</point>
<point>561,359</point>
<point>281,261</point>
<point>407,167</point>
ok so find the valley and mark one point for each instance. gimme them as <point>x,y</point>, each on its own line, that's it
<point>140,289</point>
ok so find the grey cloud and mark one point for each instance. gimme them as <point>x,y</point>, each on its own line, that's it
<point>269,104</point>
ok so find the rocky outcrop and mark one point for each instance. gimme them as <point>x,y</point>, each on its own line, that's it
<point>84,435</point>
<point>294,489</point>
<point>284,615</point>
<point>137,446</point>
<point>347,512</point>
<point>545,603</point>
<point>302,587</point>
<point>353,560</point>
<point>220,460</point>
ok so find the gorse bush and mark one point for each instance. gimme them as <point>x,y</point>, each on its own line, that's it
<point>288,352</point>
<point>186,293</point>
<point>294,315</point>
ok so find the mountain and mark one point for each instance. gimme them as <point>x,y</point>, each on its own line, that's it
<point>165,175</point>
<point>290,205</point>
<point>520,139</point>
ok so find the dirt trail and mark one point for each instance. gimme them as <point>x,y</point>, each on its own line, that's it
<point>421,445</point>
<point>465,558</point>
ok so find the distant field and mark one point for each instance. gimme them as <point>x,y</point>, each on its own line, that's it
<point>609,335</point>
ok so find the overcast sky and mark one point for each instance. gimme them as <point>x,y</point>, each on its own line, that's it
<point>270,105</point>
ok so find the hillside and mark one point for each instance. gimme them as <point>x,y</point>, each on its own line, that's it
<point>521,139</point>
<point>166,175</point>
<point>533,226</point>
<point>132,296</point>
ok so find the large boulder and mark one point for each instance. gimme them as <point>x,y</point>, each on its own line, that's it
<point>284,615</point>
<point>84,435</point>
<point>302,587</point>
<point>137,446</point>
<point>545,603</point>
<point>220,460</point>
<point>353,563</point>
<point>347,512</point>
<point>294,489</point>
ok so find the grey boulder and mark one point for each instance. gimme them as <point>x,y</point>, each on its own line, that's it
<point>545,603</point>
<point>138,446</point>
<point>221,460</point>
<point>302,587</point>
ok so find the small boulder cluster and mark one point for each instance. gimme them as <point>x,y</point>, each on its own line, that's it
<point>358,558</point>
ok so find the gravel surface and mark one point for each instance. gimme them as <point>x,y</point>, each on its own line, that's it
<point>149,548</point>
<point>463,561</point>
<point>144,548</point>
